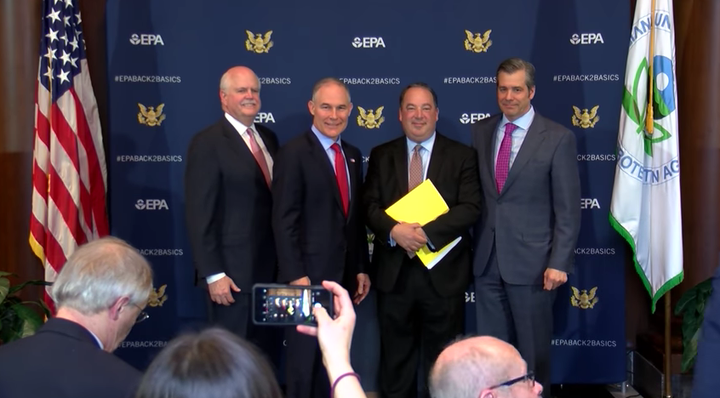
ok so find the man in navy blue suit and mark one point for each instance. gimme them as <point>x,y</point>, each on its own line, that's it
<point>318,222</point>
<point>100,294</point>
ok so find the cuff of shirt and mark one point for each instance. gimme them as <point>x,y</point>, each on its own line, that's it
<point>214,278</point>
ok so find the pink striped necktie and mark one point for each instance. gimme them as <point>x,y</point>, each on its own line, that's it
<point>259,156</point>
<point>502,166</point>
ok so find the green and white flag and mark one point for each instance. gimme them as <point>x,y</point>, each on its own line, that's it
<point>645,206</point>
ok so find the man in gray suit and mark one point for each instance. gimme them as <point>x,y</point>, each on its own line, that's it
<point>526,236</point>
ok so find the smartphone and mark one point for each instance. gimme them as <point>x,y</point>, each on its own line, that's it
<point>287,305</point>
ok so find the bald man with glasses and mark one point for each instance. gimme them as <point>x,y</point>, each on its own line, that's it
<point>483,367</point>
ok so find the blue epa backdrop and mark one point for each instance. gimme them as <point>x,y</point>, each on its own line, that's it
<point>165,59</point>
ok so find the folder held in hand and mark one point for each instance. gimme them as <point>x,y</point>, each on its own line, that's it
<point>422,205</point>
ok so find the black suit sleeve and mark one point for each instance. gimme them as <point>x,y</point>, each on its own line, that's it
<point>465,212</point>
<point>287,189</point>
<point>378,221</point>
<point>202,182</point>
<point>364,257</point>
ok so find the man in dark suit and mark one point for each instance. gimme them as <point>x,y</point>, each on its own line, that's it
<point>420,310</point>
<point>228,205</point>
<point>318,222</point>
<point>100,293</point>
<point>526,236</point>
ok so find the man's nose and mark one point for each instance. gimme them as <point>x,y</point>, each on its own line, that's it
<point>538,388</point>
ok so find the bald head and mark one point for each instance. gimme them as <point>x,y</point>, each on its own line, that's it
<point>237,72</point>
<point>470,365</point>
<point>240,94</point>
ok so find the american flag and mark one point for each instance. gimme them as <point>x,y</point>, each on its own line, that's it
<point>69,174</point>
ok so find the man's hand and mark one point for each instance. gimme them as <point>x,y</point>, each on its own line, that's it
<point>304,281</point>
<point>363,288</point>
<point>553,279</point>
<point>220,290</point>
<point>408,237</point>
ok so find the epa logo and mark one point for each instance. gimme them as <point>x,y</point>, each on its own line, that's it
<point>589,203</point>
<point>473,117</point>
<point>146,40</point>
<point>368,42</point>
<point>151,204</point>
<point>264,117</point>
<point>586,38</point>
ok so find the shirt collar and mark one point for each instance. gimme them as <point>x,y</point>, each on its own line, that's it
<point>325,141</point>
<point>427,144</point>
<point>241,128</point>
<point>98,341</point>
<point>522,122</point>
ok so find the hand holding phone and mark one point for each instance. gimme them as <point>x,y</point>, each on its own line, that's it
<point>334,333</point>
<point>287,305</point>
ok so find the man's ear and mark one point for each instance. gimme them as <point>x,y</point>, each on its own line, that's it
<point>311,107</point>
<point>117,307</point>
<point>487,394</point>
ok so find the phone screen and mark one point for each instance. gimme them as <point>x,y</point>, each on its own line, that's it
<point>289,305</point>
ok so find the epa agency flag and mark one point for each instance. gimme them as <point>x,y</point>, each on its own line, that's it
<point>645,206</point>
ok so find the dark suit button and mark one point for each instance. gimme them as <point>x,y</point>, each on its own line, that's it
<point>492,229</point>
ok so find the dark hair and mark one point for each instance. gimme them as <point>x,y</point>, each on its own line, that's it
<point>212,363</point>
<point>419,85</point>
<point>512,65</point>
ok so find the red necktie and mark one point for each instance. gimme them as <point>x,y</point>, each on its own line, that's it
<point>341,177</point>
<point>502,166</point>
<point>259,157</point>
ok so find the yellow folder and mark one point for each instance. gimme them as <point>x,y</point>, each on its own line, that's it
<point>422,205</point>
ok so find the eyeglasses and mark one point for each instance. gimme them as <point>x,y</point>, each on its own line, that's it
<point>528,377</point>
<point>141,316</point>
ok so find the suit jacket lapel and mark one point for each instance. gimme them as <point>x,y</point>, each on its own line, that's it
<point>401,165</point>
<point>321,157</point>
<point>533,139</point>
<point>351,165</point>
<point>269,143</point>
<point>435,165</point>
<point>237,144</point>
<point>489,140</point>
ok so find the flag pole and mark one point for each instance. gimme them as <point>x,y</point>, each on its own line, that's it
<point>651,75</point>
<point>649,120</point>
<point>668,348</point>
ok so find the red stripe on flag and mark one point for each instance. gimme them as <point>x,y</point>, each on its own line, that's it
<point>65,135</point>
<point>54,252</point>
<point>56,259</point>
<point>65,205</point>
<point>40,180</point>
<point>69,141</point>
<point>37,230</point>
<point>97,184</point>
<point>40,184</point>
<point>42,129</point>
